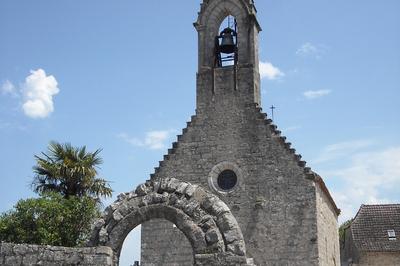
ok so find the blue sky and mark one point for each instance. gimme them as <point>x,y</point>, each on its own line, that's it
<point>120,76</point>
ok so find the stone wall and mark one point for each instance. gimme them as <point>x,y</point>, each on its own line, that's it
<point>328,237</point>
<point>27,255</point>
<point>379,258</point>
<point>152,231</point>
<point>274,202</point>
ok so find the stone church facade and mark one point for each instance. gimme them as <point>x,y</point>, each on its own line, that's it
<point>231,149</point>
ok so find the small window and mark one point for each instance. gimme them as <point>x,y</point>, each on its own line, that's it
<point>227,180</point>
<point>391,234</point>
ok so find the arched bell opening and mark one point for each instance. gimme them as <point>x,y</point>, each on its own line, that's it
<point>226,43</point>
<point>215,12</point>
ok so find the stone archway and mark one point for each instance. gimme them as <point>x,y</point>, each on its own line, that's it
<point>206,221</point>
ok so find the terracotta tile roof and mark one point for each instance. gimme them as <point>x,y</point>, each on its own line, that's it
<point>370,228</point>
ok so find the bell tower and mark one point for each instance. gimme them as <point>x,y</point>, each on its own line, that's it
<point>236,44</point>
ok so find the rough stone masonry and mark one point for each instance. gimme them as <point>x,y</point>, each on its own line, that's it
<point>230,148</point>
<point>206,221</point>
<point>28,255</point>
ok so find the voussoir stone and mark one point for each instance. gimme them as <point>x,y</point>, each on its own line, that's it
<point>212,236</point>
<point>142,190</point>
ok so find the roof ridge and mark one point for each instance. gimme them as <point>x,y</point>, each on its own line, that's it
<point>381,205</point>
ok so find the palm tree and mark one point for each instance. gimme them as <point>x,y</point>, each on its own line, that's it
<point>70,171</point>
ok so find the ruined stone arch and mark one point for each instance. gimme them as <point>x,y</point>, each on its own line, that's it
<point>206,221</point>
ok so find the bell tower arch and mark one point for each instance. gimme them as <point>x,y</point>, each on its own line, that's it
<point>242,78</point>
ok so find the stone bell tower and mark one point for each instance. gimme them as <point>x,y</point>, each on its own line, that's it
<point>233,150</point>
<point>239,80</point>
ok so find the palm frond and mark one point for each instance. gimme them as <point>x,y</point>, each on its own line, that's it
<point>70,171</point>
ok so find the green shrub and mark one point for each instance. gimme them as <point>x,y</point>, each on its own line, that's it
<point>50,220</point>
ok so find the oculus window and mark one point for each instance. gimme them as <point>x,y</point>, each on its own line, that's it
<point>227,180</point>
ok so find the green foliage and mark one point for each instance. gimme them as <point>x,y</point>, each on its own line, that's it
<point>342,228</point>
<point>69,171</point>
<point>50,220</point>
<point>69,203</point>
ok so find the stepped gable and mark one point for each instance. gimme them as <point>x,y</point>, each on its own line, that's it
<point>370,228</point>
<point>310,174</point>
<point>174,147</point>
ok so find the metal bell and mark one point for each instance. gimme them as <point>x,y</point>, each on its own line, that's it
<point>227,45</point>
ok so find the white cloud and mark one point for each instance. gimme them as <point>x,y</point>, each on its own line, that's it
<point>347,148</point>
<point>7,88</point>
<point>153,140</point>
<point>291,128</point>
<point>306,49</point>
<point>316,94</point>
<point>370,178</point>
<point>309,49</point>
<point>267,70</point>
<point>38,91</point>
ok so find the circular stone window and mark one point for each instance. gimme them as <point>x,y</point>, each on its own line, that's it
<point>227,180</point>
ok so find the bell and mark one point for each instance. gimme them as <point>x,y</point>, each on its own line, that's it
<point>227,45</point>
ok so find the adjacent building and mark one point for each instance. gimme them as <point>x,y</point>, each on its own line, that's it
<point>373,238</point>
